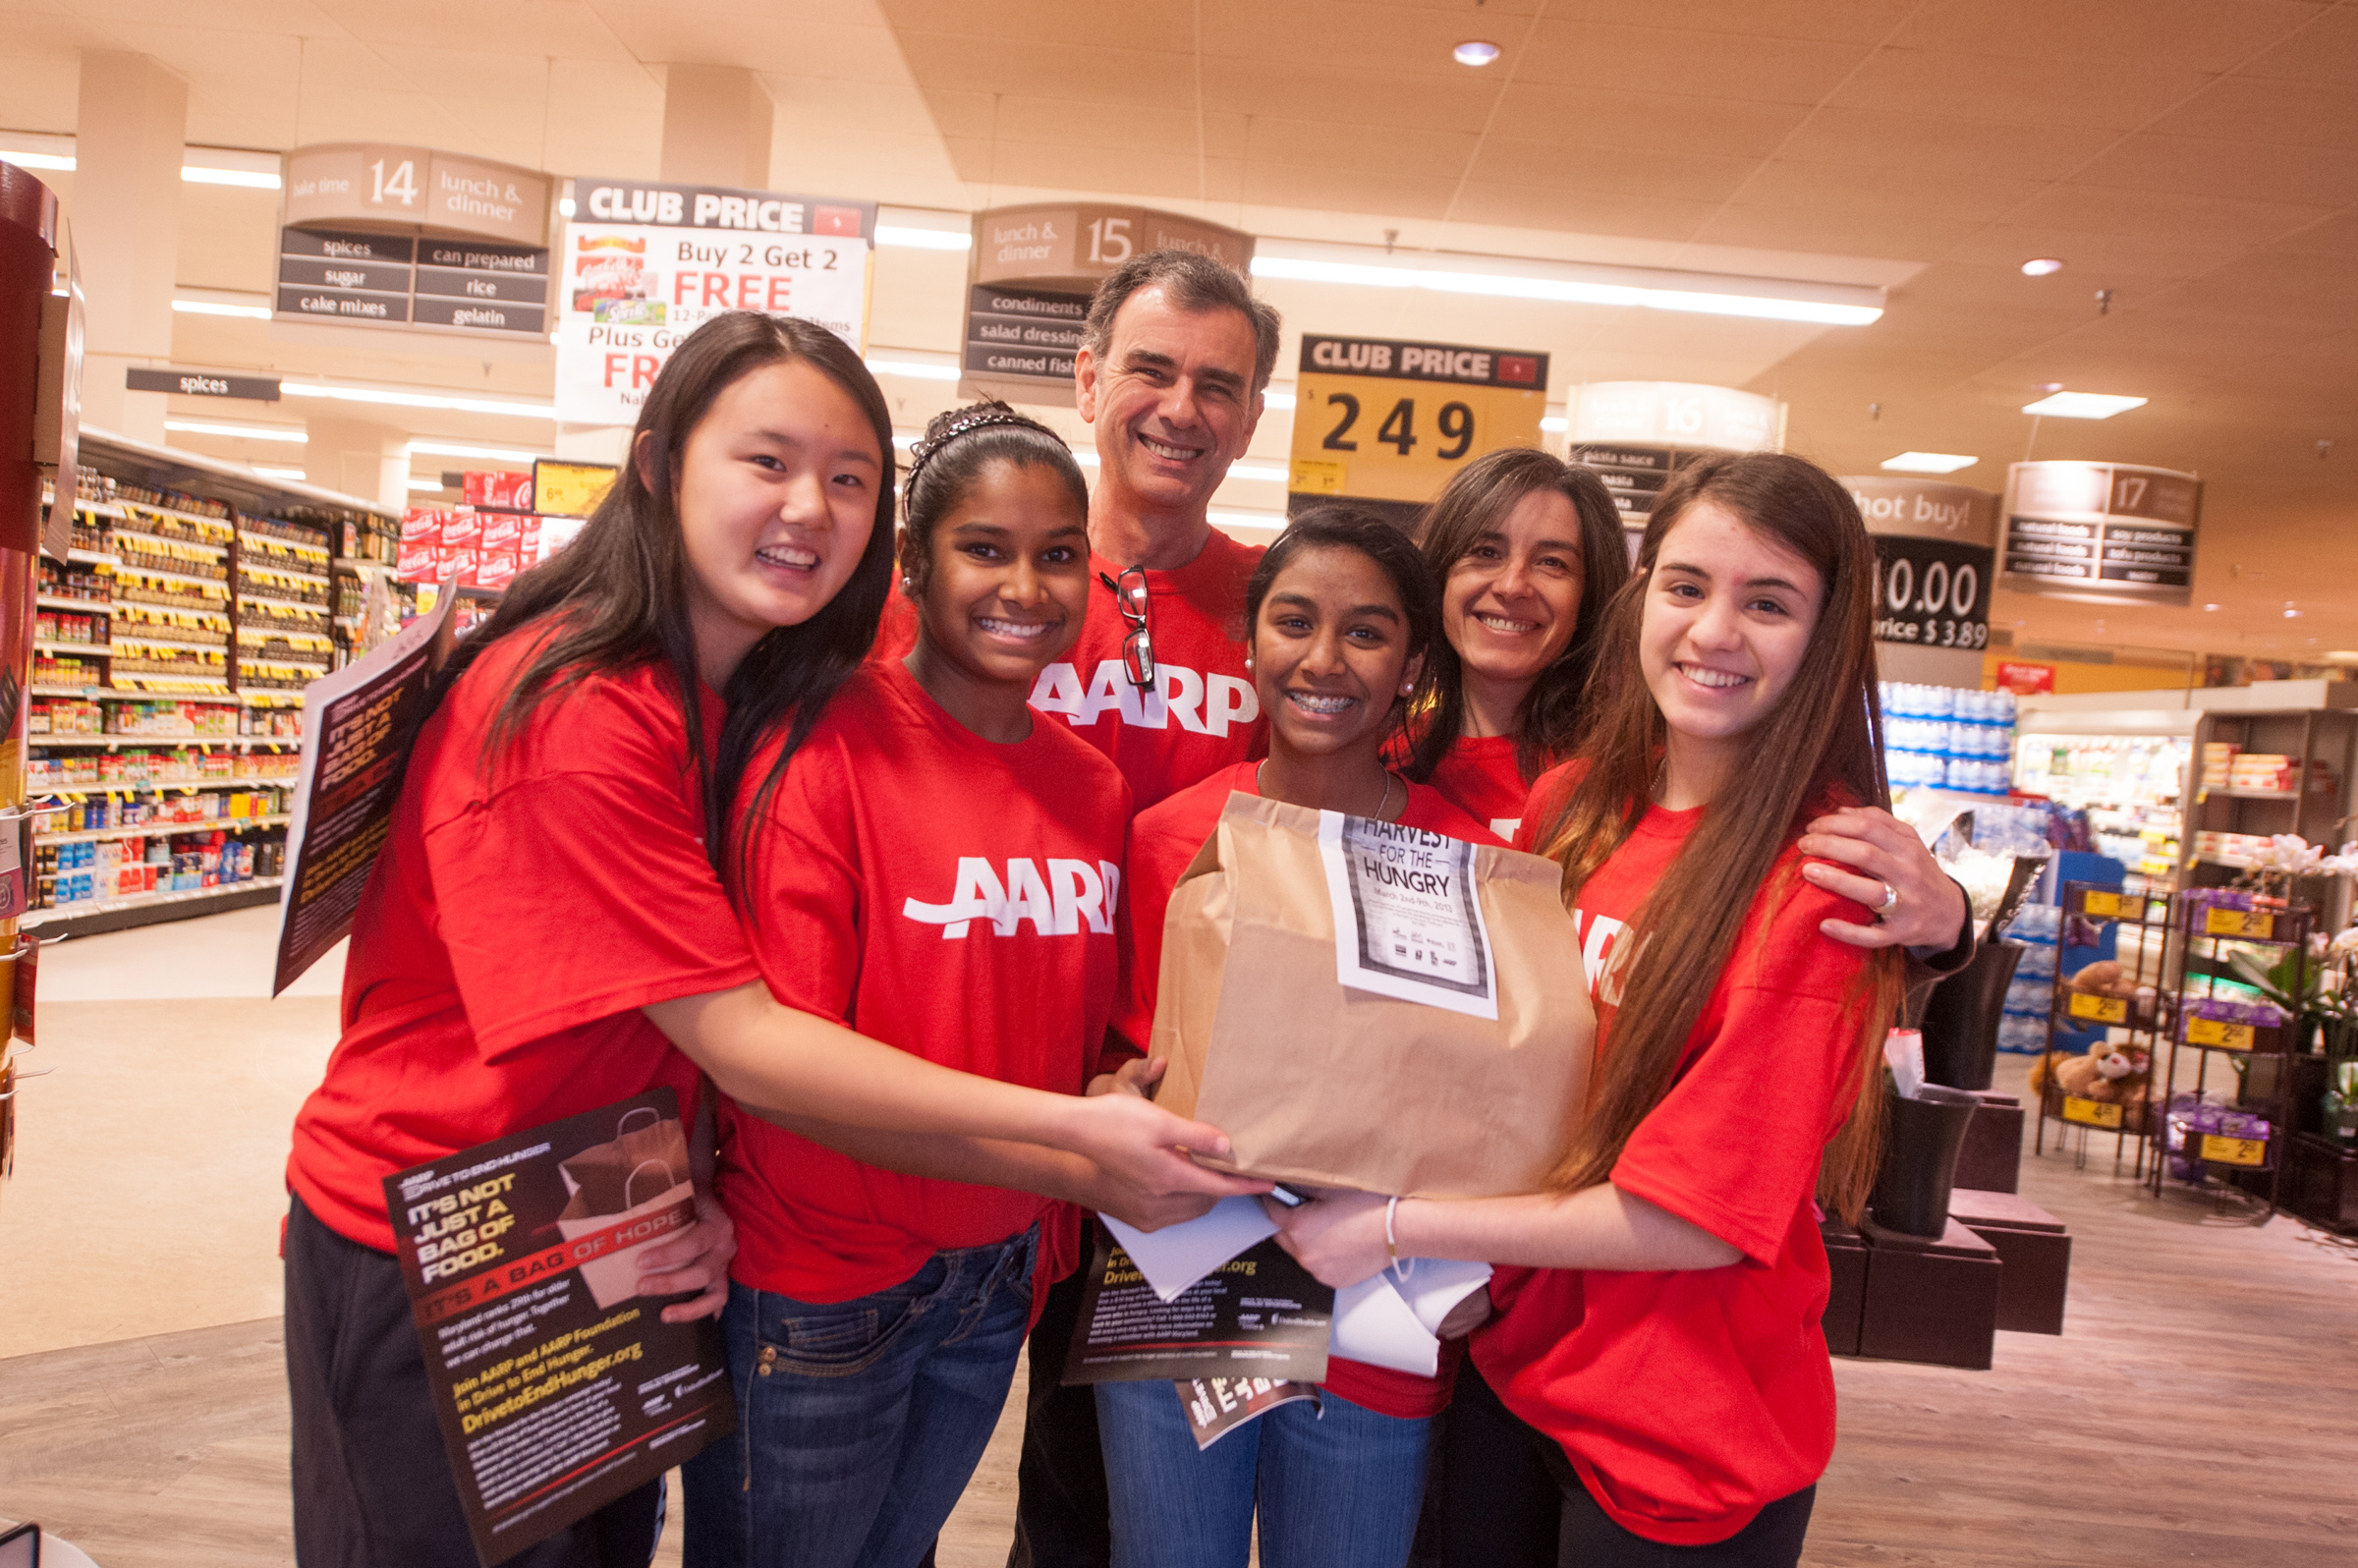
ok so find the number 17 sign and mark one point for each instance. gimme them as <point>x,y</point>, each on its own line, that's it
<point>1388,423</point>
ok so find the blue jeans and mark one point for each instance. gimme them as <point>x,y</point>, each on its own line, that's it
<point>1341,1489</point>
<point>859,1422</point>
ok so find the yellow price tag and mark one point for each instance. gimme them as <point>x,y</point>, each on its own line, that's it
<point>1381,419</point>
<point>2103,1009</point>
<point>2238,922</point>
<point>569,489</point>
<point>2234,1150</point>
<point>2091,1112</point>
<point>2100,904</point>
<point>2220,1032</point>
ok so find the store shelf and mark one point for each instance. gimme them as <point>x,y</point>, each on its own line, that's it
<point>106,509</point>
<point>132,510</point>
<point>244,597</point>
<point>363,565</point>
<point>116,742</point>
<point>162,575</point>
<point>114,914</point>
<point>143,640</point>
<point>94,836</point>
<point>91,557</point>
<point>165,544</point>
<point>273,568</point>
<point>272,541</point>
<point>197,693</point>
<point>85,651</point>
<point>61,601</point>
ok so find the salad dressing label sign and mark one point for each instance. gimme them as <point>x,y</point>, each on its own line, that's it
<point>645,264</point>
<point>1407,921</point>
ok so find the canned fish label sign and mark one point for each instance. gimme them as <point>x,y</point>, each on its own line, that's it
<point>1406,920</point>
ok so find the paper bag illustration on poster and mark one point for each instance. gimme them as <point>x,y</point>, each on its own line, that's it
<point>642,1173</point>
<point>1438,1046</point>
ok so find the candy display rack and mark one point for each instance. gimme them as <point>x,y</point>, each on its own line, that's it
<point>2199,1140</point>
<point>2145,1020</point>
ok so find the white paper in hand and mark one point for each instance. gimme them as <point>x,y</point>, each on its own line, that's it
<point>1177,1255</point>
<point>1394,1319</point>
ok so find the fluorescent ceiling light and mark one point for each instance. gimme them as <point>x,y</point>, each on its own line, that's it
<point>458,449</point>
<point>416,483</point>
<point>904,442</point>
<point>2083,405</point>
<point>1257,471</point>
<point>922,238</point>
<point>243,432</point>
<point>1556,423</point>
<point>565,206</point>
<point>249,178</point>
<point>252,312</point>
<point>2040,266</point>
<point>2340,653</point>
<point>1573,283</point>
<point>1274,399</point>
<point>417,400</point>
<point>913,369</point>
<point>276,474</point>
<point>1475,52</point>
<point>1929,462</point>
<point>38,161</point>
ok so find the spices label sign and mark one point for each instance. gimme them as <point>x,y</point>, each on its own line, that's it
<point>645,264</point>
<point>2108,532</point>
<point>1386,421</point>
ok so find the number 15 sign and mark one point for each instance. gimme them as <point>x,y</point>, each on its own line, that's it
<point>1390,423</point>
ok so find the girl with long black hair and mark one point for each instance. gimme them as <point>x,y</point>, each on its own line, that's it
<point>546,921</point>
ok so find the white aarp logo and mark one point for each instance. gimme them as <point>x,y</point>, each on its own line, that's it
<point>1207,706</point>
<point>1057,905</point>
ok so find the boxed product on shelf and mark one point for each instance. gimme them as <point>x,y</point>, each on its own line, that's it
<point>461,526</point>
<point>1945,736</point>
<point>498,488</point>
<point>65,716</point>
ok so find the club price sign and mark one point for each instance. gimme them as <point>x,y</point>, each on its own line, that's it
<point>1933,560</point>
<point>1390,423</point>
<point>646,264</point>
<point>2109,532</point>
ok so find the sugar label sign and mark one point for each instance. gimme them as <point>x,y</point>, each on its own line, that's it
<point>1407,921</point>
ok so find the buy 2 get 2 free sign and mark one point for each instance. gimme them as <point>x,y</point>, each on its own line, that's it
<point>1381,420</point>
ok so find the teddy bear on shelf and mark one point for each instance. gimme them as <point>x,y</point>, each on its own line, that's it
<point>2119,1074</point>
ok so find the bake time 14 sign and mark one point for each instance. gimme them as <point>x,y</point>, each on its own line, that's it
<point>645,264</point>
<point>1389,423</point>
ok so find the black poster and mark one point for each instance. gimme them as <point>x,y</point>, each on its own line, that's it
<point>559,1386</point>
<point>1932,593</point>
<point>1260,1314</point>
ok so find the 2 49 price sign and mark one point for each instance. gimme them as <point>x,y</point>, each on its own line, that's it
<point>1390,423</point>
<point>1932,593</point>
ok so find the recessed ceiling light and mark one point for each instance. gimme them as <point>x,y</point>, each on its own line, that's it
<point>1929,462</point>
<point>2040,266</point>
<point>243,432</point>
<point>1473,52</point>
<point>2210,606</point>
<point>459,449</point>
<point>275,473</point>
<point>2083,405</point>
<point>416,483</point>
<point>2340,653</point>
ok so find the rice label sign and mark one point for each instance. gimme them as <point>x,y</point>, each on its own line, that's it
<point>1387,424</point>
<point>645,264</point>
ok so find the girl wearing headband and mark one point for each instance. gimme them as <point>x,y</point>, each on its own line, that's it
<point>941,871</point>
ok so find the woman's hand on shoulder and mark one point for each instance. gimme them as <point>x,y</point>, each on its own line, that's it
<point>1878,855</point>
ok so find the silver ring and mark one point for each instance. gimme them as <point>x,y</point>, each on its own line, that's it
<point>1890,900</point>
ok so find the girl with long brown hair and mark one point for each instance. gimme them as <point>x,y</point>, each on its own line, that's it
<point>1656,1350</point>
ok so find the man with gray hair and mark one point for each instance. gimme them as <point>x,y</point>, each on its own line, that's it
<point>1173,363</point>
<point>1174,359</point>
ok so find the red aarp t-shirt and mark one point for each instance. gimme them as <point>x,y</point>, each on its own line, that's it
<point>941,893</point>
<point>1482,778</point>
<point>1163,843</point>
<point>522,912</point>
<point>1202,713</point>
<point>1689,1399</point>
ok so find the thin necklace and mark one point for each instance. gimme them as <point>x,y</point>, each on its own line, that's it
<point>1261,767</point>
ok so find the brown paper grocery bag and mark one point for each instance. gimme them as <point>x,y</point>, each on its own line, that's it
<point>1343,1086</point>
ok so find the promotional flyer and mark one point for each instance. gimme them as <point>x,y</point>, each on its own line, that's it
<point>643,265</point>
<point>1258,1315</point>
<point>558,1386</point>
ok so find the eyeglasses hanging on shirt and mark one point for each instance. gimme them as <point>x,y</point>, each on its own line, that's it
<point>1137,648</point>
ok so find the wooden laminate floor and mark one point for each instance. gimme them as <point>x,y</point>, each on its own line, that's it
<point>2201,1406</point>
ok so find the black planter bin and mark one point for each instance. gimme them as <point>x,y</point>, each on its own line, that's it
<point>1962,1015</point>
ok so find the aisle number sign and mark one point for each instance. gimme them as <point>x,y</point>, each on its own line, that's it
<point>1385,421</point>
<point>645,264</point>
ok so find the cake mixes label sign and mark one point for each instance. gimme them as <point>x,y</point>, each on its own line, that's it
<point>643,265</point>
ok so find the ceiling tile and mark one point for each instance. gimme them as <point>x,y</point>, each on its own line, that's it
<point>1537,166</point>
<point>1631,212</point>
<point>1370,148</point>
<point>1701,65</point>
<point>2326,50</point>
<point>1082,71</point>
<point>1936,144</point>
<point>1831,21</point>
<point>1311,91</point>
<point>1105,21</point>
<point>1611,117</point>
<point>2190,34</point>
<point>2166,217</point>
<point>2310,114</point>
<point>1820,188</point>
<point>2122,94</point>
<point>1863,233</point>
